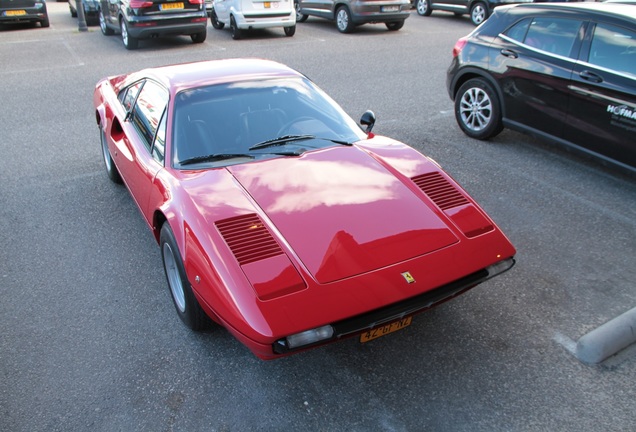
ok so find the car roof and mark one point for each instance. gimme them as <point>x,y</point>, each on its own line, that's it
<point>197,74</point>
<point>622,10</point>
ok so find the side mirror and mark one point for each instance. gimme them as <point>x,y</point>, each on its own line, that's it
<point>368,120</point>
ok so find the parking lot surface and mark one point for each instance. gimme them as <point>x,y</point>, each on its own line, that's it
<point>90,339</point>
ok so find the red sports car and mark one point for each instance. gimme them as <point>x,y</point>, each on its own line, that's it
<point>279,217</point>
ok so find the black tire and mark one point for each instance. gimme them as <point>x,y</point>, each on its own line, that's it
<point>200,37</point>
<point>111,169</point>
<point>185,302</point>
<point>215,21</point>
<point>299,16</point>
<point>343,20</point>
<point>394,25</point>
<point>478,13</point>
<point>236,32</point>
<point>290,31</point>
<point>478,110</point>
<point>73,11</point>
<point>423,7</point>
<point>45,22</point>
<point>130,42</point>
<point>106,31</point>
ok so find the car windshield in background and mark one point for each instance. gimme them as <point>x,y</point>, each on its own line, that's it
<point>237,118</point>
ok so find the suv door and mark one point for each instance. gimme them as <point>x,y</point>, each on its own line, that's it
<point>534,61</point>
<point>602,115</point>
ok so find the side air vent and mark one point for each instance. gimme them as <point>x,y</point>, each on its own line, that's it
<point>439,190</point>
<point>248,238</point>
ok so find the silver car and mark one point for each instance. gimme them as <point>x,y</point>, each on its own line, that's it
<point>351,13</point>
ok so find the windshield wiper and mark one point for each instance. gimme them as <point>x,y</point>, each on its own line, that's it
<point>290,138</point>
<point>280,141</point>
<point>214,157</point>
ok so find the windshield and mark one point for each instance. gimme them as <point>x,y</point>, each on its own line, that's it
<point>237,118</point>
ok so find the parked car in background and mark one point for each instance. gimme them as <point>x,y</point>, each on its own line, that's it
<point>565,72</point>
<point>91,10</point>
<point>348,14</point>
<point>144,19</point>
<point>242,15</point>
<point>280,218</point>
<point>479,10</point>
<point>23,11</point>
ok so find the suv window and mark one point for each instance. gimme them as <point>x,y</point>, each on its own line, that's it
<point>147,112</point>
<point>613,48</point>
<point>553,35</point>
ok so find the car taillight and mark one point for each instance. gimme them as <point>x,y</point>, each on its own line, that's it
<point>459,45</point>
<point>196,1</point>
<point>139,4</point>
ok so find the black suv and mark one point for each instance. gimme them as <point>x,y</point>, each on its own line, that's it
<point>144,19</point>
<point>479,10</point>
<point>561,71</point>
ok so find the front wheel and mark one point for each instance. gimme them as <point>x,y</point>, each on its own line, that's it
<point>478,13</point>
<point>106,31</point>
<point>423,7</point>
<point>215,21</point>
<point>290,31</point>
<point>111,169</point>
<point>185,302</point>
<point>130,42</point>
<point>395,25</point>
<point>343,20</point>
<point>477,109</point>
<point>299,16</point>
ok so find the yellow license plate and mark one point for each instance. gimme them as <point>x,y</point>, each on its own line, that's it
<point>166,6</point>
<point>385,329</point>
<point>267,5</point>
<point>15,12</point>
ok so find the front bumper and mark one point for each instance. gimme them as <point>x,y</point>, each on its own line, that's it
<point>405,308</point>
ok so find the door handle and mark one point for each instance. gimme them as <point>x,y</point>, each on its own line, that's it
<point>590,76</point>
<point>509,53</point>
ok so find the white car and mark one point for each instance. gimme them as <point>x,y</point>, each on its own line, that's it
<point>243,15</point>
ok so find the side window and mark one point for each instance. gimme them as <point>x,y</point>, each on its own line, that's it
<point>159,146</point>
<point>519,30</point>
<point>127,97</point>
<point>613,48</point>
<point>553,35</point>
<point>147,112</point>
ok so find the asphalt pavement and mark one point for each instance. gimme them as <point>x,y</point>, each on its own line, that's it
<point>89,339</point>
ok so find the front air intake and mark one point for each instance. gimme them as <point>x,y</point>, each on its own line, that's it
<point>248,238</point>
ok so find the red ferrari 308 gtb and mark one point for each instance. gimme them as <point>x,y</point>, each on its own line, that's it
<point>279,217</point>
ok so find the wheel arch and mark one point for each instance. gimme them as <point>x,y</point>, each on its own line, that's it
<point>470,73</point>
<point>336,6</point>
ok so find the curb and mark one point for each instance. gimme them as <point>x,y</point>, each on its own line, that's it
<point>607,339</point>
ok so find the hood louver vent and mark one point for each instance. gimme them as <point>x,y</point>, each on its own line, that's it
<point>248,238</point>
<point>439,190</point>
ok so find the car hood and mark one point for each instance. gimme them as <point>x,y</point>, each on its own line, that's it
<point>343,212</point>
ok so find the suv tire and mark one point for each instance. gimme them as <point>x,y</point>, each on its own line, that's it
<point>477,109</point>
<point>479,13</point>
<point>343,20</point>
<point>423,7</point>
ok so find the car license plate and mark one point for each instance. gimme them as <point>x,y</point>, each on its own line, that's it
<point>390,8</point>
<point>167,6</point>
<point>18,12</point>
<point>267,5</point>
<point>385,329</point>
